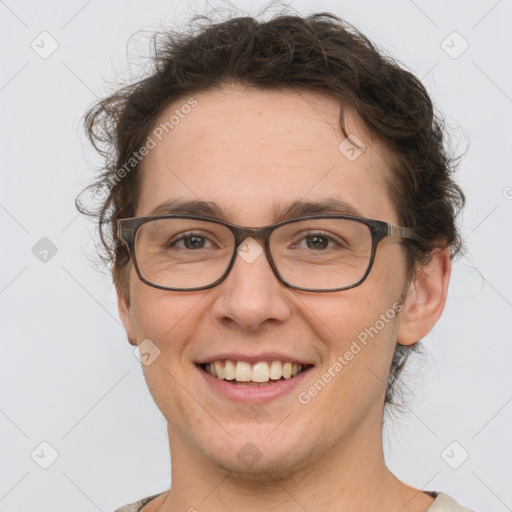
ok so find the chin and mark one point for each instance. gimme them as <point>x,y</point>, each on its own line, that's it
<point>262,461</point>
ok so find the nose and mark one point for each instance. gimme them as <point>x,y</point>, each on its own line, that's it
<point>251,294</point>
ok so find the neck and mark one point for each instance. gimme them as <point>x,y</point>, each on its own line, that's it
<point>349,476</point>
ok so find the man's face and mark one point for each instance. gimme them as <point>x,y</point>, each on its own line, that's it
<point>246,151</point>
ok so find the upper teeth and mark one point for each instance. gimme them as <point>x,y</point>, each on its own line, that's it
<point>262,371</point>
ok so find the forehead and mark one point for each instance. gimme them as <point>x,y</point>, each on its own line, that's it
<point>251,152</point>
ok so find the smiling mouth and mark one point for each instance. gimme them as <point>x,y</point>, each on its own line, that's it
<point>262,373</point>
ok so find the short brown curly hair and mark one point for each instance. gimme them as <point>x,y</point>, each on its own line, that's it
<point>321,53</point>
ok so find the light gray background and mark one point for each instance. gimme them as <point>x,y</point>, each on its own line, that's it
<point>68,375</point>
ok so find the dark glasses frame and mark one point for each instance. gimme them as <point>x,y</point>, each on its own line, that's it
<point>127,231</point>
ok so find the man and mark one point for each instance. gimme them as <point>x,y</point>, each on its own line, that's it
<point>272,350</point>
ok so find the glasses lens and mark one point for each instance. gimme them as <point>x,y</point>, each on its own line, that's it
<point>322,254</point>
<point>183,253</point>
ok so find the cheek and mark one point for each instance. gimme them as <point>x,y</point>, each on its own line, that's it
<point>338,320</point>
<point>157,313</point>
<point>358,334</point>
<point>359,344</point>
<point>169,323</point>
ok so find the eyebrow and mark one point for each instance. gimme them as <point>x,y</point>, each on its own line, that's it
<point>280,211</point>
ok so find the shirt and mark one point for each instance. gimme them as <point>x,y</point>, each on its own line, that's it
<point>442,503</point>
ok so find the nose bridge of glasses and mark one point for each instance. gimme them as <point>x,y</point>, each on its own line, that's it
<point>241,234</point>
<point>249,252</point>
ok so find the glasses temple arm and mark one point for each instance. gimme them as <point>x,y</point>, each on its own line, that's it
<point>409,233</point>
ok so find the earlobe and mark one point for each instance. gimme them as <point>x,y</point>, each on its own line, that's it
<point>123,307</point>
<point>425,299</point>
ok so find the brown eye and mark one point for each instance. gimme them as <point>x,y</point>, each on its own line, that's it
<point>191,241</point>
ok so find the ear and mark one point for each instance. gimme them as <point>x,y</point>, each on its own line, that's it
<point>123,306</point>
<point>425,299</point>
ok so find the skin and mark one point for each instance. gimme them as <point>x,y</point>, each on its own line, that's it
<point>246,149</point>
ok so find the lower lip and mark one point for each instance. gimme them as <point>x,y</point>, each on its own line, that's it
<point>251,394</point>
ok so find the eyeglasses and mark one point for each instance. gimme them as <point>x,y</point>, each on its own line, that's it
<point>324,253</point>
